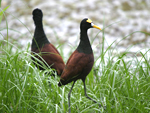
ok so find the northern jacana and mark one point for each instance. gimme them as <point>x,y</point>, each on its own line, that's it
<point>81,61</point>
<point>41,45</point>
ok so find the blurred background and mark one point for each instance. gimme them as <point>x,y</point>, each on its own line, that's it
<point>118,18</point>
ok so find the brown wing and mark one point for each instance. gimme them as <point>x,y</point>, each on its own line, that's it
<point>76,65</point>
<point>54,49</point>
<point>52,57</point>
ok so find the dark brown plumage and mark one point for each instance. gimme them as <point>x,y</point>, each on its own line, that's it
<point>81,61</point>
<point>43,47</point>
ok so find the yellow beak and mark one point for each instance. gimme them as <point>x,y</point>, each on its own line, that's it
<point>97,27</point>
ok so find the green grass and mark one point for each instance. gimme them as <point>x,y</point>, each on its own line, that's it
<point>120,84</point>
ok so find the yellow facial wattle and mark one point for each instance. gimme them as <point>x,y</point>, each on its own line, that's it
<point>89,21</point>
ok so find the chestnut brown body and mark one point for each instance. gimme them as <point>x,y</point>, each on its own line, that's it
<point>78,67</point>
<point>51,56</point>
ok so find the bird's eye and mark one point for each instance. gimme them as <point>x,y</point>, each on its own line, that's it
<point>92,24</point>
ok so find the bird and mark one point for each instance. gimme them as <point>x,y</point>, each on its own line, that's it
<point>81,60</point>
<point>42,46</point>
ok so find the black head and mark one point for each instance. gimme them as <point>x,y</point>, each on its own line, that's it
<point>87,23</point>
<point>37,15</point>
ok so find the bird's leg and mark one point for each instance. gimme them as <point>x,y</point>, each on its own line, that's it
<point>88,96</point>
<point>69,96</point>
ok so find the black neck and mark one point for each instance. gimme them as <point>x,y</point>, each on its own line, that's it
<point>84,45</point>
<point>39,39</point>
